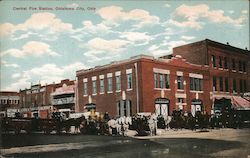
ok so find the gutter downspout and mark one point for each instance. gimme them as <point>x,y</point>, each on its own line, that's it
<point>137,92</point>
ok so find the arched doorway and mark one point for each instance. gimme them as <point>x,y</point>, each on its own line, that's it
<point>124,108</point>
<point>162,106</point>
<point>196,105</point>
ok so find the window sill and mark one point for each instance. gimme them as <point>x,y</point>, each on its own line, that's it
<point>101,93</point>
<point>94,94</point>
<point>181,104</point>
<point>117,91</point>
<point>233,70</point>
<point>240,72</point>
<point>85,95</point>
<point>226,69</point>
<point>129,89</point>
<point>180,90</point>
<point>193,91</point>
<point>220,68</point>
<point>110,92</point>
<point>162,89</point>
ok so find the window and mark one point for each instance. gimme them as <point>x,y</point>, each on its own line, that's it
<point>214,84</point>
<point>220,62</point>
<point>245,86</point>
<point>226,85</point>
<point>195,84</point>
<point>130,107</point>
<point>125,107</point>
<point>129,81</point>
<point>240,66</point>
<point>156,82</point>
<point>180,82</point>
<point>109,84</point>
<point>161,81</point>
<point>101,85</point>
<point>244,66</point>
<point>85,88</point>
<point>241,86</point>
<point>221,83</point>
<point>225,63</point>
<point>214,61</point>
<point>94,87</point>
<point>233,64</point>
<point>167,81</point>
<point>234,86</point>
<point>118,83</point>
<point>119,108</point>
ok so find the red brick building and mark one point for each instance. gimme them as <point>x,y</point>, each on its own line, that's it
<point>229,68</point>
<point>8,100</point>
<point>144,84</point>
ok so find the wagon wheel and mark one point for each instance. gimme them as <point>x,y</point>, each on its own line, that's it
<point>67,129</point>
<point>47,130</point>
<point>28,130</point>
<point>17,130</point>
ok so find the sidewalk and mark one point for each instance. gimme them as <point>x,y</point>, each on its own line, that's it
<point>219,134</point>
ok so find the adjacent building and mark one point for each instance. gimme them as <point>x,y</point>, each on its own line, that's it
<point>63,98</point>
<point>229,69</point>
<point>9,100</point>
<point>40,100</point>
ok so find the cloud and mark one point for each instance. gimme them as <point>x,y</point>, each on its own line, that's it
<point>187,37</point>
<point>115,14</point>
<point>47,73</point>
<point>16,75</point>
<point>90,29</point>
<point>102,49</point>
<point>244,11</point>
<point>166,47</point>
<point>167,5</point>
<point>231,11</point>
<point>102,45</point>
<point>31,48</point>
<point>136,37</point>
<point>47,22</point>
<point>191,16</point>
<point>6,29</point>
<point>6,64</point>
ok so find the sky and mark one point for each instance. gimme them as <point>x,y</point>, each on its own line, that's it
<point>45,41</point>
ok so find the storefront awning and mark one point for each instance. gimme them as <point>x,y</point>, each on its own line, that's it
<point>240,103</point>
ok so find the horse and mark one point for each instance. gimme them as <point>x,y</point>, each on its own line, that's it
<point>152,123</point>
<point>127,123</point>
<point>119,125</point>
<point>167,120</point>
<point>112,123</point>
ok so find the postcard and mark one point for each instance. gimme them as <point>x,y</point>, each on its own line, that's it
<point>117,78</point>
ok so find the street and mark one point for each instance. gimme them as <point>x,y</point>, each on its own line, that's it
<point>184,143</point>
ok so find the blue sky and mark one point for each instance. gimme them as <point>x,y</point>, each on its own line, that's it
<point>49,45</point>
